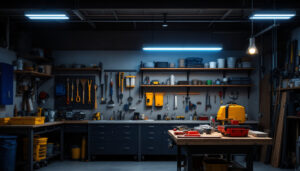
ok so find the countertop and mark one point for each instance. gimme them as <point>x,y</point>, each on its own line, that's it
<point>156,122</point>
<point>115,122</point>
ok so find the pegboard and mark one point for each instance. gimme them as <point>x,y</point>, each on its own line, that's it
<point>61,100</point>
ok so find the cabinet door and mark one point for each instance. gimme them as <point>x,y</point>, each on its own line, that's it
<point>151,139</point>
<point>6,84</point>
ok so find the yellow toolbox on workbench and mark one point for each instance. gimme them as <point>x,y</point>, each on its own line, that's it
<point>4,121</point>
<point>27,120</point>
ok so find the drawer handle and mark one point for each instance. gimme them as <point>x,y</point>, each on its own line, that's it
<point>150,148</point>
<point>126,132</point>
<point>151,132</point>
<point>126,148</point>
<point>127,138</point>
<point>101,126</point>
<point>151,138</point>
<point>126,126</point>
<point>151,126</point>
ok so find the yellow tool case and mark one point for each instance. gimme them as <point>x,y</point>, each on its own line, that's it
<point>159,99</point>
<point>4,121</point>
<point>27,120</point>
<point>149,99</point>
<point>232,112</point>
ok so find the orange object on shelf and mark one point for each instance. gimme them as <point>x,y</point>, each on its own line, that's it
<point>4,121</point>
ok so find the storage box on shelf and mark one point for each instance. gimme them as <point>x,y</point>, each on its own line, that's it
<point>27,120</point>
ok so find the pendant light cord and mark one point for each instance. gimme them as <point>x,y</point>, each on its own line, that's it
<point>252,20</point>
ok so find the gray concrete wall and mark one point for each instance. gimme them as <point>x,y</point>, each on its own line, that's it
<point>132,59</point>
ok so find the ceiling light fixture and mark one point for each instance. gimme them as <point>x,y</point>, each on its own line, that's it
<point>47,16</point>
<point>182,48</point>
<point>272,15</point>
<point>252,50</point>
<point>165,24</point>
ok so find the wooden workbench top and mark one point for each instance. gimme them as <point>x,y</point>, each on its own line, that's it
<point>47,124</point>
<point>250,140</point>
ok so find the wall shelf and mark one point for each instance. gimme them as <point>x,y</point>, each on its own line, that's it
<point>199,69</point>
<point>289,89</point>
<point>204,86</point>
<point>38,59</point>
<point>96,69</point>
<point>189,70</point>
<point>32,74</point>
<point>293,117</point>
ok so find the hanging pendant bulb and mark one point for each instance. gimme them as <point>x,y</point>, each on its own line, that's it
<point>252,50</point>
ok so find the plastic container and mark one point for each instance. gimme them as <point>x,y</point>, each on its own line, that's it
<point>27,120</point>
<point>172,80</point>
<point>221,63</point>
<point>215,164</point>
<point>75,152</point>
<point>231,62</point>
<point>4,121</point>
<point>212,64</point>
<point>148,64</point>
<point>206,65</point>
<point>181,63</point>
<point>8,149</point>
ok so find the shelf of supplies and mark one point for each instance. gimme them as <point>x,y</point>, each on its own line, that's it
<point>199,69</point>
<point>32,74</point>
<point>38,59</point>
<point>77,69</point>
<point>293,117</point>
<point>289,89</point>
<point>204,86</point>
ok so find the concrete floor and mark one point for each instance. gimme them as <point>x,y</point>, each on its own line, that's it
<point>128,166</point>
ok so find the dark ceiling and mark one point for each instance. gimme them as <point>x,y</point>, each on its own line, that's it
<point>222,15</point>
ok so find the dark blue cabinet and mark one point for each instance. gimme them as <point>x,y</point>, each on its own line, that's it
<point>113,139</point>
<point>6,84</point>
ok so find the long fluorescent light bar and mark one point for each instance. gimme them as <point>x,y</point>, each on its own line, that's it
<point>47,16</point>
<point>272,15</point>
<point>182,48</point>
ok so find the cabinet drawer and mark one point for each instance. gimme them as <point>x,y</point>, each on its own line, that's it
<point>151,149</point>
<point>75,128</point>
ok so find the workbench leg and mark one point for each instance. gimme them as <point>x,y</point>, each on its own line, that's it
<point>178,158</point>
<point>30,137</point>
<point>189,161</point>
<point>61,143</point>
<point>249,163</point>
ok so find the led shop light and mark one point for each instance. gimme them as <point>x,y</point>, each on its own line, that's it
<point>44,16</point>
<point>182,48</point>
<point>272,15</point>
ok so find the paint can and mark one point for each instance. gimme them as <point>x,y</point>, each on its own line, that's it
<point>221,63</point>
<point>231,62</point>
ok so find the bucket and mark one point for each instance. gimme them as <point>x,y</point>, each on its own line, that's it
<point>75,152</point>
<point>221,63</point>
<point>212,64</point>
<point>231,62</point>
<point>8,149</point>
<point>181,63</point>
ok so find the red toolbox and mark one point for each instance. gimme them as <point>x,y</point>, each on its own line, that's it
<point>234,130</point>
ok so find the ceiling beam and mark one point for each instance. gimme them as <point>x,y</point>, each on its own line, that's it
<point>83,18</point>
<point>222,18</point>
<point>115,15</point>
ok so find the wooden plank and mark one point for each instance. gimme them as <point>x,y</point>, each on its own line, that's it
<point>275,160</point>
<point>250,140</point>
<point>197,69</point>
<point>205,86</point>
<point>32,73</point>
<point>288,89</point>
<point>258,133</point>
<point>78,69</point>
